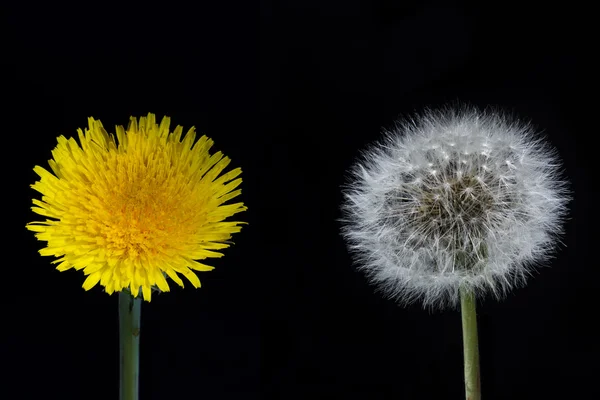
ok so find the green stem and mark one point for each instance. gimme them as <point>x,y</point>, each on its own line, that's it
<point>470,345</point>
<point>129,345</point>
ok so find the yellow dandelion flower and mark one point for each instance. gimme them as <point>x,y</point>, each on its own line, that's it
<point>130,211</point>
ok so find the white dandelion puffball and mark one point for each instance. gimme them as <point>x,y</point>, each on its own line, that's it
<point>454,199</point>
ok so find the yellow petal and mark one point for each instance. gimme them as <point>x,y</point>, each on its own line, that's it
<point>92,280</point>
<point>173,275</point>
<point>147,292</point>
<point>195,265</point>
<point>160,280</point>
<point>63,266</point>
<point>36,228</point>
<point>192,277</point>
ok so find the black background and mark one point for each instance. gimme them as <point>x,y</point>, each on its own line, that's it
<point>292,91</point>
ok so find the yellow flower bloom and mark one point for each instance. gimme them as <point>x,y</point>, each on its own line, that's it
<point>132,210</point>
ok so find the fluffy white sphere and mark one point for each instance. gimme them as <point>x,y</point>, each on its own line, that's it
<point>451,199</point>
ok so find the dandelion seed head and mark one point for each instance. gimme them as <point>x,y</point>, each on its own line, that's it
<point>456,198</point>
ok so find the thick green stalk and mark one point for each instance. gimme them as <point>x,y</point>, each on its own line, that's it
<point>470,345</point>
<point>129,345</point>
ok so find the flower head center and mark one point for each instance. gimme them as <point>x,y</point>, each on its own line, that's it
<point>456,203</point>
<point>454,215</point>
<point>146,210</point>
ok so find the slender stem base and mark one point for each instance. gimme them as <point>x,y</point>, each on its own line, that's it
<point>129,345</point>
<point>470,345</point>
